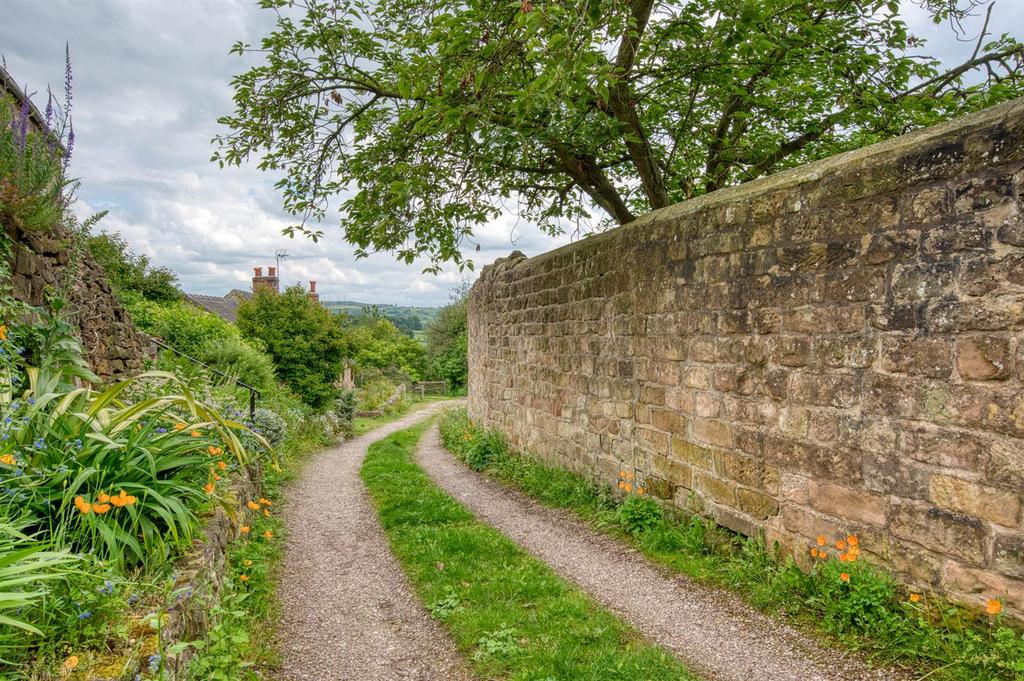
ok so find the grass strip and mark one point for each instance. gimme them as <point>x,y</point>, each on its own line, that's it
<point>364,424</point>
<point>867,610</point>
<point>508,612</point>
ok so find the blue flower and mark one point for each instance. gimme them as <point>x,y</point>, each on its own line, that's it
<point>39,443</point>
<point>154,662</point>
<point>85,615</point>
<point>161,430</point>
<point>107,588</point>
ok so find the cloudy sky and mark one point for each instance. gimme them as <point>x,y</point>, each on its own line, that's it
<point>150,79</point>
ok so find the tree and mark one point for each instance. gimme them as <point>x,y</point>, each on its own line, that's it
<point>132,274</point>
<point>448,342</point>
<point>379,345</point>
<point>427,115</point>
<point>305,341</point>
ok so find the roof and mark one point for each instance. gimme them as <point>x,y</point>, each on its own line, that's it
<point>9,85</point>
<point>225,307</point>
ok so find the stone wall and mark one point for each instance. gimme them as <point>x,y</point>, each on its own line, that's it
<point>41,262</point>
<point>834,349</point>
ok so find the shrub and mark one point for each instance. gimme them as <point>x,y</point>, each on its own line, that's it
<point>382,350</point>
<point>637,515</point>
<point>345,410</point>
<point>448,343</point>
<point>372,395</point>
<point>25,567</point>
<point>131,274</point>
<point>271,426</point>
<point>304,340</point>
<point>237,357</point>
<point>483,450</point>
<point>184,327</point>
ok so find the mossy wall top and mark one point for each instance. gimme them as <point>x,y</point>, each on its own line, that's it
<point>834,349</point>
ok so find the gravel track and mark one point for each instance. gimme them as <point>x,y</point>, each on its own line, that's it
<point>712,631</point>
<point>348,611</point>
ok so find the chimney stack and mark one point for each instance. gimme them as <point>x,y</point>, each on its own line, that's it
<point>270,281</point>
<point>313,295</point>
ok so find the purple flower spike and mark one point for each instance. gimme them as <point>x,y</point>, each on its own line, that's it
<point>23,123</point>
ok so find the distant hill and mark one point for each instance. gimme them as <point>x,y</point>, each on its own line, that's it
<point>411,320</point>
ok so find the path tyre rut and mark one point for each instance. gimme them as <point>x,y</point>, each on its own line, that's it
<point>348,610</point>
<point>712,631</point>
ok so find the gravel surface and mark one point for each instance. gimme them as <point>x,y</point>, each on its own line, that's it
<point>712,631</point>
<point>348,611</point>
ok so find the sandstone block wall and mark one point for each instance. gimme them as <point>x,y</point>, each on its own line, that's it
<point>834,349</point>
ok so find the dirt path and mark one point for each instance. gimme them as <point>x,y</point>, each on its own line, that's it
<point>348,611</point>
<point>712,631</point>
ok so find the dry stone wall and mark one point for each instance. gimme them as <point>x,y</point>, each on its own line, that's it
<point>834,349</point>
<point>41,263</point>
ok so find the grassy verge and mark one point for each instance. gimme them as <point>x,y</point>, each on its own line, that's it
<point>240,645</point>
<point>364,424</point>
<point>852,602</point>
<point>508,612</point>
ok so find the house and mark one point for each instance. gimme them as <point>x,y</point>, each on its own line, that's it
<point>226,306</point>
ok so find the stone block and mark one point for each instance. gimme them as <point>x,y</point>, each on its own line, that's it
<point>691,454</point>
<point>755,504</point>
<point>948,532</point>
<point>988,503</point>
<point>715,488</point>
<point>931,357</point>
<point>1008,554</point>
<point>983,358</point>
<point>850,503</point>
<point>714,433</point>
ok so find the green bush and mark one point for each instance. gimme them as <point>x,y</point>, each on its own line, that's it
<point>26,567</point>
<point>184,327</point>
<point>373,394</point>
<point>271,426</point>
<point>237,357</point>
<point>31,173</point>
<point>382,350</point>
<point>638,515</point>
<point>98,474</point>
<point>448,344</point>
<point>306,343</point>
<point>130,274</point>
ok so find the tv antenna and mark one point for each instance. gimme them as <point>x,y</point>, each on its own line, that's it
<point>279,255</point>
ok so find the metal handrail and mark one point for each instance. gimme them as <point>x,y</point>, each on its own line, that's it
<point>254,393</point>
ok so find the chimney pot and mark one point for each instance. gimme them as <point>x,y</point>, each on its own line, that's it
<point>312,285</point>
<point>271,271</point>
<point>258,271</point>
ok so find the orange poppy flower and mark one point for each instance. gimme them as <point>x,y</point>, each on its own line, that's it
<point>914,598</point>
<point>216,477</point>
<point>211,450</point>
<point>629,487</point>
<point>103,497</point>
<point>7,459</point>
<point>844,577</point>
<point>100,509</point>
<point>639,490</point>
<point>3,332</point>
<point>814,552</point>
<point>821,540</point>
<point>622,474</point>
<point>852,540</point>
<point>70,664</point>
<point>179,426</point>
<point>222,465</point>
<point>122,499</point>
<point>994,606</point>
<point>196,433</point>
<point>622,485</point>
<point>82,505</point>
<point>244,578</point>
<point>253,506</point>
<point>244,529</point>
<point>841,545</point>
<point>266,513</point>
<point>268,534</point>
<point>208,488</point>
<point>266,502</point>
